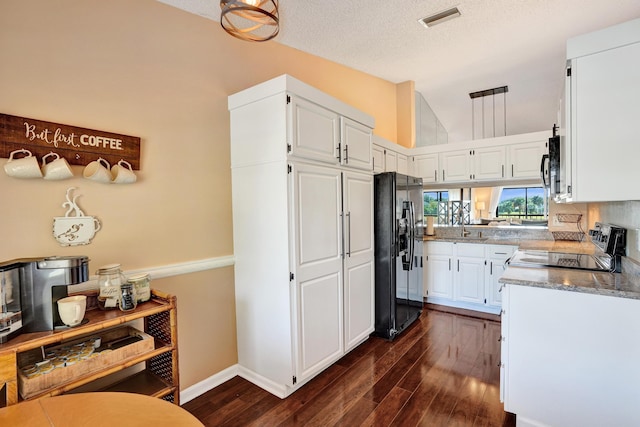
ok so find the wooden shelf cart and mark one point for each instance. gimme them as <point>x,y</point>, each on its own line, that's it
<point>160,377</point>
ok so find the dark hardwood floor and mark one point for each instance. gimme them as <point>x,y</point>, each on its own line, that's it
<point>442,371</point>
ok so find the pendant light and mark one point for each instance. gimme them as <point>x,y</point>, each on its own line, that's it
<point>250,20</point>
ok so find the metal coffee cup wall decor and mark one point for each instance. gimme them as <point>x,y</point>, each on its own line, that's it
<point>74,228</point>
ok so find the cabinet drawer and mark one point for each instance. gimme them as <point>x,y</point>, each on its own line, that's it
<point>500,251</point>
<point>470,250</point>
<point>438,248</point>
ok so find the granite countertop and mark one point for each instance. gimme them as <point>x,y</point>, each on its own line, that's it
<point>601,283</point>
<point>623,285</point>
<point>539,245</point>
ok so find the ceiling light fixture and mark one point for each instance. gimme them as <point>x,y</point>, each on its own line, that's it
<point>440,17</point>
<point>484,94</point>
<point>250,20</point>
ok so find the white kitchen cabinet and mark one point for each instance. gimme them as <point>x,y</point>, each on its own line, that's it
<point>395,162</point>
<point>602,110</point>
<point>390,161</point>
<point>465,275</point>
<point>524,159</point>
<point>378,158</point>
<point>395,157</point>
<point>320,134</point>
<point>478,164</point>
<point>358,259</point>
<point>317,260</point>
<point>468,276</point>
<point>355,143</point>
<point>496,257</point>
<point>315,131</point>
<point>438,274</point>
<point>426,166</point>
<point>455,166</point>
<point>570,358</point>
<point>508,160</point>
<point>402,164</point>
<point>303,232</point>
<point>489,163</point>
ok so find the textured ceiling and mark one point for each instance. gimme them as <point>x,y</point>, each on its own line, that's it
<point>518,43</point>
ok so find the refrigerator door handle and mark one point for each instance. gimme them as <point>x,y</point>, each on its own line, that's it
<point>412,232</point>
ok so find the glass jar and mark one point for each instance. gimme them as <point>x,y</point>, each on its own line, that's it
<point>110,278</point>
<point>128,300</point>
<point>142,286</point>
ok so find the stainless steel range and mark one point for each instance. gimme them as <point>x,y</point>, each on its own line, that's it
<point>609,239</point>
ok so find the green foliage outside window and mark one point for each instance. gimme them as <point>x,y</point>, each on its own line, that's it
<point>431,200</point>
<point>522,203</point>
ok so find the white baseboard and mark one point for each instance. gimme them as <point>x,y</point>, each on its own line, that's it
<point>264,383</point>
<point>207,384</point>
<point>465,305</point>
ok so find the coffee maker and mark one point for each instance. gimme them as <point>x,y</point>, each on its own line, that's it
<point>10,305</point>
<point>30,289</point>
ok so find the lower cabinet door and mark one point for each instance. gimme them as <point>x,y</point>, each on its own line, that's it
<point>359,303</point>
<point>439,278</point>
<point>469,280</point>
<point>320,324</point>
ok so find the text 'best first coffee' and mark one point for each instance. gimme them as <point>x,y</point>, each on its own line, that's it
<point>55,138</point>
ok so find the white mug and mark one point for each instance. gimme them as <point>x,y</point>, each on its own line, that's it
<point>71,309</point>
<point>123,173</point>
<point>75,230</point>
<point>58,168</point>
<point>24,167</point>
<point>98,170</point>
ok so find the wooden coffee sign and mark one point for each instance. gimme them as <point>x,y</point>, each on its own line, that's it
<point>79,146</point>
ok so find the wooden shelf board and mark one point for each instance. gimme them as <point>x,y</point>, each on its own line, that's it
<point>144,382</point>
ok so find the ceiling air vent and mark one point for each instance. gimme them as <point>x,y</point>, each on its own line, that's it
<point>440,17</point>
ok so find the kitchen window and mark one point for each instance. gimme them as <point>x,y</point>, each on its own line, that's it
<point>523,202</point>
<point>431,201</point>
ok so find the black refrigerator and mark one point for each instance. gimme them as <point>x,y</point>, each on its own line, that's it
<point>398,220</point>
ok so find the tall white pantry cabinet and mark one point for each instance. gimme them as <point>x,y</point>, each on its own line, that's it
<point>302,188</point>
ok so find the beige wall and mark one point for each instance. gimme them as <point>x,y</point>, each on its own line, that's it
<point>406,134</point>
<point>146,69</point>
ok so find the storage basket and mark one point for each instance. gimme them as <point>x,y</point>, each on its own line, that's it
<point>78,358</point>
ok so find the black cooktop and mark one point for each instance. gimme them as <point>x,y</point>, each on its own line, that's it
<point>544,259</point>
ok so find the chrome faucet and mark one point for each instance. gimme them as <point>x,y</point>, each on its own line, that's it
<point>463,232</point>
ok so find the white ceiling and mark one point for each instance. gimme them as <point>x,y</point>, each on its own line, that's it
<point>515,43</point>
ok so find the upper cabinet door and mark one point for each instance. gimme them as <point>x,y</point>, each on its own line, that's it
<point>390,161</point>
<point>489,163</point>
<point>456,166</point>
<point>378,158</point>
<point>426,167</point>
<point>356,145</point>
<point>403,164</point>
<point>524,159</point>
<point>315,132</point>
